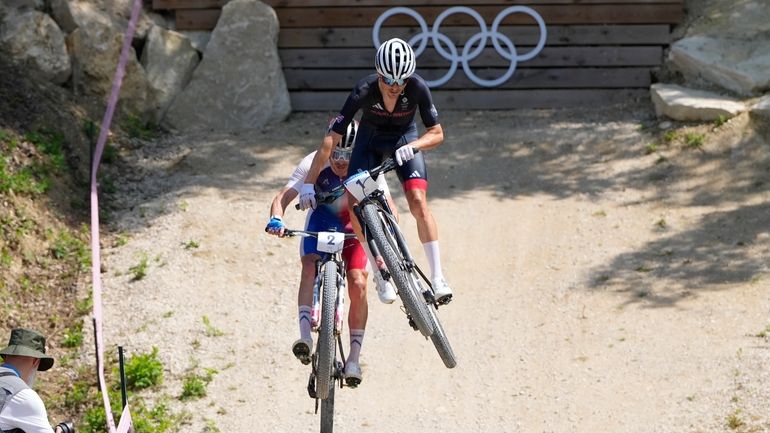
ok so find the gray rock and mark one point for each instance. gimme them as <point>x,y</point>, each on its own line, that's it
<point>739,65</point>
<point>72,14</point>
<point>169,60</point>
<point>24,5</point>
<point>199,38</point>
<point>762,107</point>
<point>239,83</point>
<point>32,37</point>
<point>760,115</point>
<point>681,103</point>
<point>743,19</point>
<point>95,51</point>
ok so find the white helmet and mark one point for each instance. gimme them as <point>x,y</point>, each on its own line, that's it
<point>395,59</point>
<point>347,141</point>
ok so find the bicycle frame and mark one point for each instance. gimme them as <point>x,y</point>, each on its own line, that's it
<point>386,241</point>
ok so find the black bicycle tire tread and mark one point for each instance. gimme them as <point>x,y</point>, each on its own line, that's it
<point>326,340</point>
<point>413,302</point>
<point>440,341</point>
<point>327,412</point>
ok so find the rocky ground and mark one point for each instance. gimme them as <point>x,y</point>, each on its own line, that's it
<point>610,276</point>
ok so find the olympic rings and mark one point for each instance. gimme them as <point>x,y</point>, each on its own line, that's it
<point>470,50</point>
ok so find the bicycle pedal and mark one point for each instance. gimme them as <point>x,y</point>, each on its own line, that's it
<point>413,324</point>
<point>311,387</point>
<point>352,382</point>
<point>445,300</point>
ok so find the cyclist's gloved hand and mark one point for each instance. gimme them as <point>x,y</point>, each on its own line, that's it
<point>404,153</point>
<point>275,226</point>
<point>307,196</point>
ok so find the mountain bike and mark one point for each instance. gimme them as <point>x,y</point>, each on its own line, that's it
<point>326,316</point>
<point>386,240</point>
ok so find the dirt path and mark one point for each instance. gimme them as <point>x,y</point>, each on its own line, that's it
<point>599,289</point>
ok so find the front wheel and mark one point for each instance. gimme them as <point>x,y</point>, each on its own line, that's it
<point>327,412</point>
<point>440,341</point>
<point>413,300</point>
<point>326,340</point>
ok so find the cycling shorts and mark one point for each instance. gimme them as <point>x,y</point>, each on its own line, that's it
<point>352,252</point>
<point>373,146</point>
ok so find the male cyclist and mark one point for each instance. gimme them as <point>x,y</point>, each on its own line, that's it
<point>324,218</point>
<point>389,101</point>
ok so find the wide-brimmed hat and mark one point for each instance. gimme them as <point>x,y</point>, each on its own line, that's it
<point>24,342</point>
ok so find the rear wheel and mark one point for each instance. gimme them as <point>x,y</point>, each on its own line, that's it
<point>326,340</point>
<point>413,300</point>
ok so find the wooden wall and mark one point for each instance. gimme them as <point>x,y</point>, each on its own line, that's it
<point>597,51</point>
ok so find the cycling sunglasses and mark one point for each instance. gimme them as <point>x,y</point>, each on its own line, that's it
<point>393,82</point>
<point>341,155</point>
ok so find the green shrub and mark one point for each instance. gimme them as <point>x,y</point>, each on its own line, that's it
<point>73,337</point>
<point>144,370</point>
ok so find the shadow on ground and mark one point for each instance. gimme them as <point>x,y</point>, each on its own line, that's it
<point>558,153</point>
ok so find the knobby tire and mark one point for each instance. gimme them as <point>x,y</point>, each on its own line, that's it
<point>326,340</point>
<point>440,340</point>
<point>414,302</point>
<point>327,412</point>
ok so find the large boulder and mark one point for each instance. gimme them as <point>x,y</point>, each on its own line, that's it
<point>72,14</point>
<point>681,103</point>
<point>33,38</point>
<point>760,114</point>
<point>95,53</point>
<point>239,83</point>
<point>739,65</point>
<point>169,60</point>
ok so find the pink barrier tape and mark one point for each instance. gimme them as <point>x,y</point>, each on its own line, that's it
<point>125,425</point>
<point>95,247</point>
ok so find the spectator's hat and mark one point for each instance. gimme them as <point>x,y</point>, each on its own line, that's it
<point>24,342</point>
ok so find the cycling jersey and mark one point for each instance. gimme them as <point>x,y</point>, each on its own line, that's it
<point>381,132</point>
<point>333,216</point>
<point>329,216</point>
<point>366,97</point>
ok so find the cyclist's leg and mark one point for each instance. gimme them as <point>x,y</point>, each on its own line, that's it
<point>414,178</point>
<point>366,155</point>
<point>356,260</point>
<point>357,276</point>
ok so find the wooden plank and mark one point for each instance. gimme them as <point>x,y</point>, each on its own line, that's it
<point>650,34</point>
<point>552,14</point>
<point>530,78</point>
<point>211,4</point>
<point>188,4</point>
<point>583,56</point>
<point>197,19</point>
<point>486,99</point>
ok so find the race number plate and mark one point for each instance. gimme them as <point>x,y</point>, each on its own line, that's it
<point>361,185</point>
<point>330,242</point>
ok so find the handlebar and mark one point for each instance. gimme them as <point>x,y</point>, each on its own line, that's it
<point>328,197</point>
<point>287,233</point>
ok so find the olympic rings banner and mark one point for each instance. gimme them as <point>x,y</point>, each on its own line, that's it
<point>472,48</point>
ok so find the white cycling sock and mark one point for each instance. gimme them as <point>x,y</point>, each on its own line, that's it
<point>434,259</point>
<point>372,262</point>
<point>356,340</point>
<point>304,322</point>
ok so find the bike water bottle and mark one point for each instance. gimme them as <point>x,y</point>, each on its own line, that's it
<point>315,311</point>
<point>340,313</point>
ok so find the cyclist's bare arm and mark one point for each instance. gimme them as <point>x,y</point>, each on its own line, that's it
<point>281,201</point>
<point>433,137</point>
<point>322,156</point>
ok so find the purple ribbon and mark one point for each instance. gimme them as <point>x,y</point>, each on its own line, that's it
<point>95,248</point>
